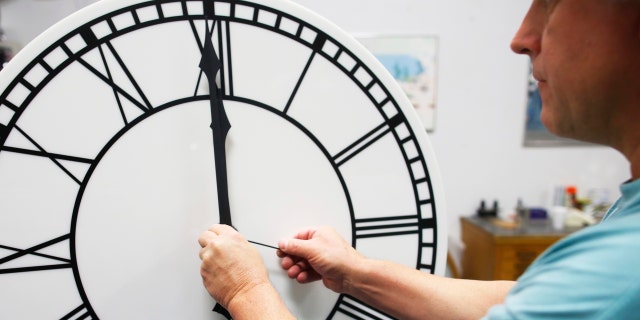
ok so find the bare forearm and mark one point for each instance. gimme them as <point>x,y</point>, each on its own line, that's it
<point>410,294</point>
<point>262,302</point>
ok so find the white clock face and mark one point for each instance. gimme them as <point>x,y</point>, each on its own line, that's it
<point>107,170</point>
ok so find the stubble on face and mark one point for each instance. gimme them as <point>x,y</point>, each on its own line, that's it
<point>589,49</point>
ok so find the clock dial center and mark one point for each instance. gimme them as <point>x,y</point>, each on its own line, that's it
<point>158,179</point>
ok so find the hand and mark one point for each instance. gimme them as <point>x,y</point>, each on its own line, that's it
<point>316,254</point>
<point>231,267</point>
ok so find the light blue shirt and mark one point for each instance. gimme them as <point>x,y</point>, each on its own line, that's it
<point>591,274</point>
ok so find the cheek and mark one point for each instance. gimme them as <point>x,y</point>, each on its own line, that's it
<point>546,117</point>
<point>555,111</point>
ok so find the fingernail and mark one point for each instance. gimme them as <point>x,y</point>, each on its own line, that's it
<point>282,244</point>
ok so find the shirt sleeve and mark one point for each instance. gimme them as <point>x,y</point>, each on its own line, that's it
<point>592,274</point>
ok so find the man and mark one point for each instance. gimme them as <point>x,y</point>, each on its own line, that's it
<point>586,58</point>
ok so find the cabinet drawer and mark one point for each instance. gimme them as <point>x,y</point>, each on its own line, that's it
<point>519,252</point>
<point>512,261</point>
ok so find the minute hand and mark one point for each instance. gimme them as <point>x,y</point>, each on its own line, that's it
<point>210,65</point>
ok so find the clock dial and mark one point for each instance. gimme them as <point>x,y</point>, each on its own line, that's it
<point>106,176</point>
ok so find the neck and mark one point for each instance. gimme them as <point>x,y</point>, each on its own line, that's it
<point>632,153</point>
<point>634,159</point>
<point>624,136</point>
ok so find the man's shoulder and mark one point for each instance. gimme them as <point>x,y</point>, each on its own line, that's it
<point>587,275</point>
<point>601,246</point>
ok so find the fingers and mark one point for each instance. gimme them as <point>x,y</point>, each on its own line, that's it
<point>296,247</point>
<point>290,261</point>
<point>215,231</point>
<point>204,253</point>
<point>208,239</point>
<point>222,229</point>
<point>308,276</point>
<point>225,243</point>
<point>299,269</point>
<point>305,234</point>
<point>205,238</point>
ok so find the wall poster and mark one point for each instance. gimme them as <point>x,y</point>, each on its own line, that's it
<point>412,61</point>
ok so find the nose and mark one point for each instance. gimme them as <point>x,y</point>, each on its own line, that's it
<point>527,39</point>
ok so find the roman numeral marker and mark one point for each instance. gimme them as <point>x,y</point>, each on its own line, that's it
<point>78,313</point>
<point>223,51</point>
<point>66,263</point>
<point>367,140</point>
<point>295,89</point>
<point>357,310</point>
<point>41,152</point>
<point>386,226</point>
<point>139,99</point>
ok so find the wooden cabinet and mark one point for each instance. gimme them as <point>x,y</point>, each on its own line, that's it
<point>496,253</point>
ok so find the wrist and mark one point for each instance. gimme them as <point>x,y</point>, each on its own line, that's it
<point>356,277</point>
<point>261,299</point>
<point>247,295</point>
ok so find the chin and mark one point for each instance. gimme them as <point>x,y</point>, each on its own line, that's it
<point>557,129</point>
<point>549,123</point>
<point>554,125</point>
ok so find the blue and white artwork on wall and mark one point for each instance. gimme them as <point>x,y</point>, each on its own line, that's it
<point>412,60</point>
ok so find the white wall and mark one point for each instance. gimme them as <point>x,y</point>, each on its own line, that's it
<point>23,20</point>
<point>481,103</point>
<point>481,96</point>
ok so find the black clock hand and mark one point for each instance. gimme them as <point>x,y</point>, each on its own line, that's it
<point>210,65</point>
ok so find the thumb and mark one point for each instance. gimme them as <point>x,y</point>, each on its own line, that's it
<point>296,247</point>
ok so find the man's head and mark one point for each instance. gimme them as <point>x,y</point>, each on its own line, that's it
<point>586,58</point>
